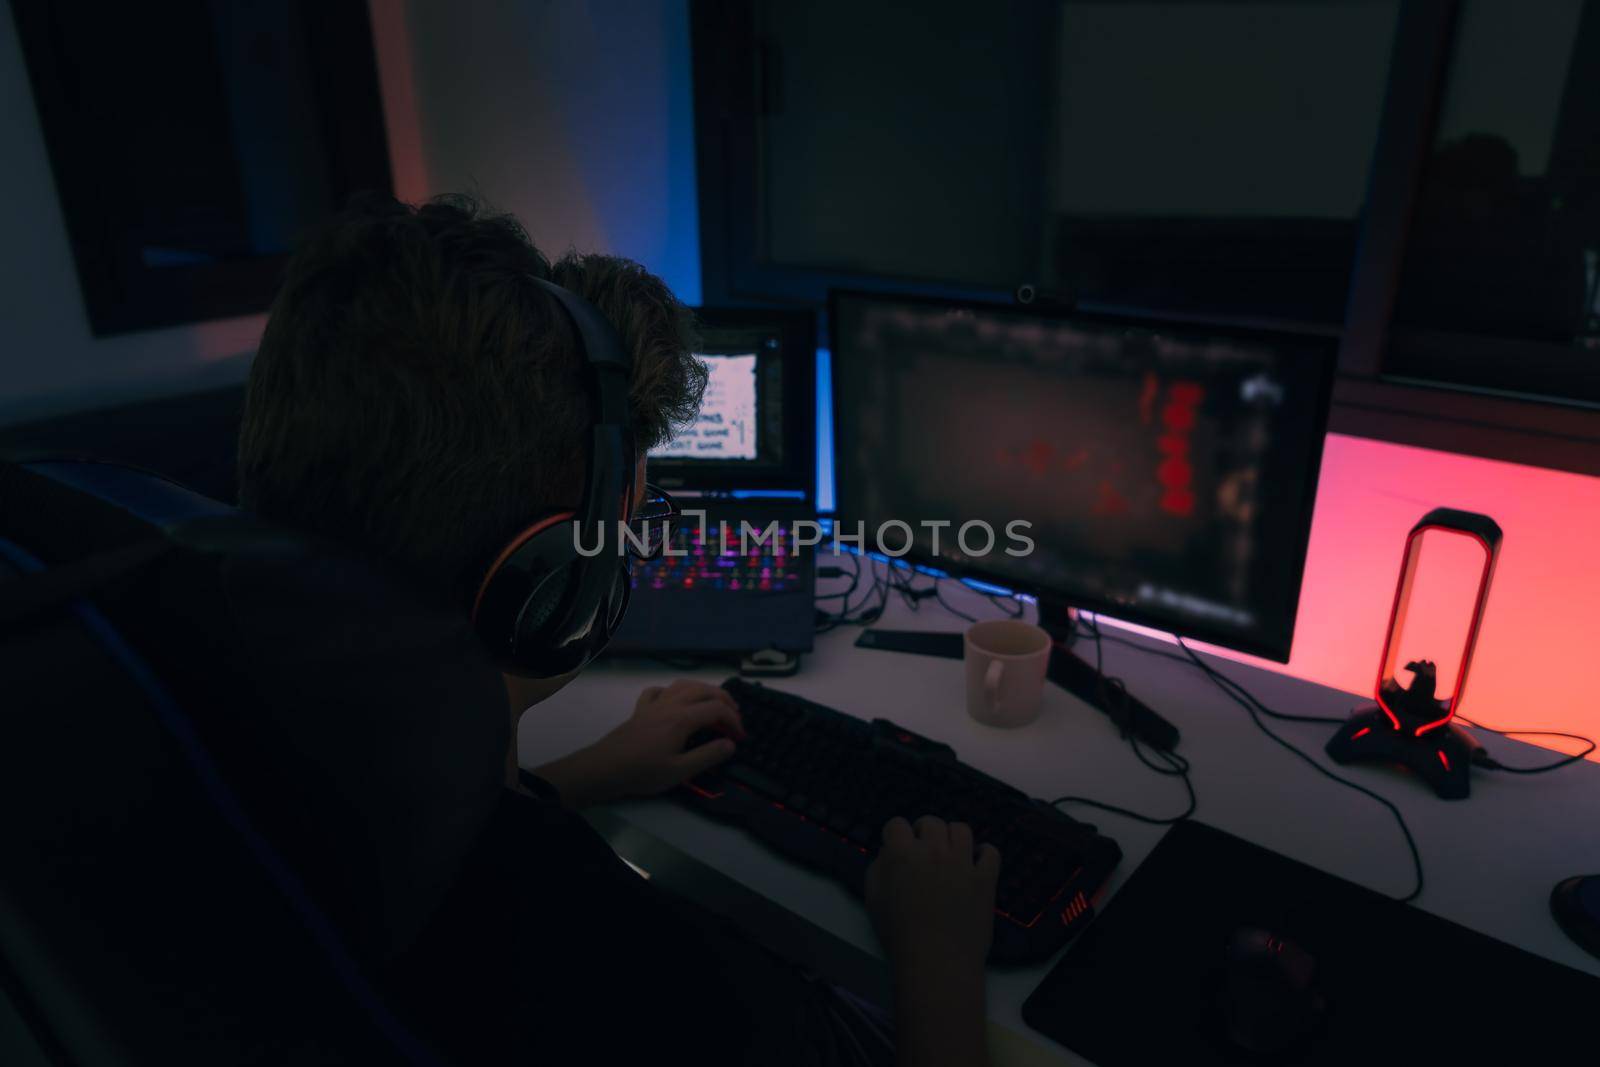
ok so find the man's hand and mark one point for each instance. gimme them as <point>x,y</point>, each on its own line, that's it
<point>646,754</point>
<point>931,896</point>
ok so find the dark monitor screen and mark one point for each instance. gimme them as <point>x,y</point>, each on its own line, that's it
<point>756,429</point>
<point>1158,472</point>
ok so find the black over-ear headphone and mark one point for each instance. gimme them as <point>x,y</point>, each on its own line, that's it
<point>545,608</point>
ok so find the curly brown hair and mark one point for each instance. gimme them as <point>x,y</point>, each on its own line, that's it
<point>419,399</point>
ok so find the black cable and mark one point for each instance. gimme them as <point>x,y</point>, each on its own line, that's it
<point>1013,609</point>
<point>1136,645</point>
<point>1249,705</point>
<point>1240,690</point>
<point>1176,765</point>
<point>887,583</point>
<point>1490,763</point>
<point>855,580</point>
<point>946,605</point>
<point>1495,765</point>
<point>858,614</point>
<point>910,596</point>
<point>1151,819</point>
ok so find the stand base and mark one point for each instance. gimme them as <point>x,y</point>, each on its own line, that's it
<point>1442,757</point>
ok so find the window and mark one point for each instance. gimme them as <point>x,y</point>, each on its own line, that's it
<point>1422,178</point>
<point>1500,287</point>
<point>1212,158</point>
<point>193,141</point>
<point>987,146</point>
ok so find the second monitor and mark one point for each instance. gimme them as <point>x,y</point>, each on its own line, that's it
<point>756,429</point>
<point>1162,473</point>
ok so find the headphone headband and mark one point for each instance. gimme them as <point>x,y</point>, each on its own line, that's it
<point>543,609</point>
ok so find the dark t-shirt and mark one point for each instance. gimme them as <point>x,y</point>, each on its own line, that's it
<point>551,950</point>
<point>365,732</point>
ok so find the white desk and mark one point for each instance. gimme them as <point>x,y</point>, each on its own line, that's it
<point>1490,861</point>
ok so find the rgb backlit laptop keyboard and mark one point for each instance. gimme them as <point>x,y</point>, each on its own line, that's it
<point>703,559</point>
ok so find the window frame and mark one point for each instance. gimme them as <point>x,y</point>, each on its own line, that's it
<point>121,296</point>
<point>1369,400</point>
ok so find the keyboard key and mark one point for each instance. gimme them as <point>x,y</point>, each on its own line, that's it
<point>744,774</point>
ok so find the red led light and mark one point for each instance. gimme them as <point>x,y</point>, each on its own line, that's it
<point>1401,589</point>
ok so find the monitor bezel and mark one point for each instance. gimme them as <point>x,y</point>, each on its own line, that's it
<point>1267,645</point>
<point>797,332</point>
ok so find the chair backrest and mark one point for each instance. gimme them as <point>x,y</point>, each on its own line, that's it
<point>234,779</point>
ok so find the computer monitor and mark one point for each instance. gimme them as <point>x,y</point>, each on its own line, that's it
<point>756,431</point>
<point>1165,472</point>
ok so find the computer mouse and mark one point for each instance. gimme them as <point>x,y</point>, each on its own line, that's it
<point>1575,902</point>
<point>769,663</point>
<point>1269,998</point>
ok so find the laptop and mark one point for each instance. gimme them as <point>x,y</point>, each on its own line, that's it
<point>734,578</point>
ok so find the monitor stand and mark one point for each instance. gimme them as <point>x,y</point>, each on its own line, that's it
<point>1067,669</point>
<point>1080,677</point>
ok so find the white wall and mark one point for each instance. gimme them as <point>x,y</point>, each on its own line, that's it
<point>574,116</point>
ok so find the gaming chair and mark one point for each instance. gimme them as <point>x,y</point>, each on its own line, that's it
<point>204,861</point>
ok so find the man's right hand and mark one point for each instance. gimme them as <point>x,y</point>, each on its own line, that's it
<point>931,894</point>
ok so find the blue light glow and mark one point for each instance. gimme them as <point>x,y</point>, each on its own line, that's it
<point>824,431</point>
<point>985,587</point>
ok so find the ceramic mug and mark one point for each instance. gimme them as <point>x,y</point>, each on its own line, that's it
<point>1006,662</point>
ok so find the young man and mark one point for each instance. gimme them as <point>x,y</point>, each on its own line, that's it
<point>418,398</point>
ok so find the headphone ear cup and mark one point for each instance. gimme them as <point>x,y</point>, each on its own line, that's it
<point>542,603</point>
<point>541,651</point>
<point>523,590</point>
<point>617,602</point>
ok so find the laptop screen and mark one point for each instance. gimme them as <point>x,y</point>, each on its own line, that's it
<point>728,428</point>
<point>756,429</point>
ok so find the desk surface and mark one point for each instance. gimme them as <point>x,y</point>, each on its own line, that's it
<point>1489,861</point>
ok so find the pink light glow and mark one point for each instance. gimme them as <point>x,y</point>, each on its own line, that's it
<point>391,41</point>
<point>1533,666</point>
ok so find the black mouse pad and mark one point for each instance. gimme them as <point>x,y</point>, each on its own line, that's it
<point>1149,981</point>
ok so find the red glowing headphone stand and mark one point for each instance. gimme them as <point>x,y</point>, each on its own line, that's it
<point>1408,725</point>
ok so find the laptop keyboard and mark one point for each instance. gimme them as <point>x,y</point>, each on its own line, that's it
<point>696,560</point>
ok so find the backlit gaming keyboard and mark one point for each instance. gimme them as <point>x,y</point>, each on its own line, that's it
<point>703,561</point>
<point>818,785</point>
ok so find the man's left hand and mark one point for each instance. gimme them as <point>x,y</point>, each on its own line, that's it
<point>646,755</point>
